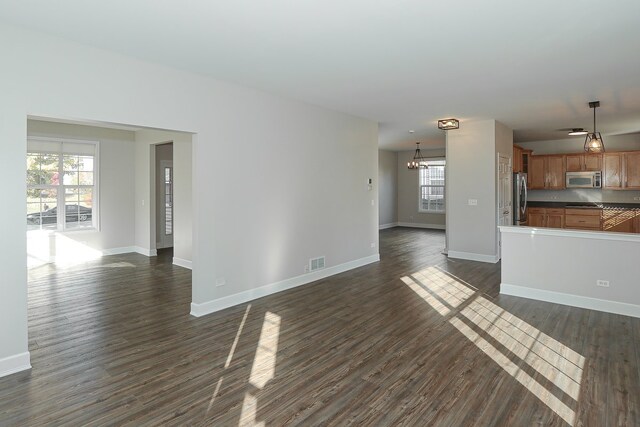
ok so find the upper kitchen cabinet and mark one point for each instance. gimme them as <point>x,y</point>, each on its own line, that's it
<point>521,159</point>
<point>584,162</point>
<point>632,170</point>
<point>622,171</point>
<point>546,172</point>
<point>517,159</point>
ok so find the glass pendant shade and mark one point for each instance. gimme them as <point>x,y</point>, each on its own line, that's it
<point>593,143</point>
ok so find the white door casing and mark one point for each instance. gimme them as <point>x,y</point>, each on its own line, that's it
<point>505,196</point>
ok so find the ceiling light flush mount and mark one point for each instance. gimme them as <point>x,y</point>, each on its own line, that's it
<point>418,161</point>
<point>593,143</point>
<point>577,132</point>
<point>448,124</point>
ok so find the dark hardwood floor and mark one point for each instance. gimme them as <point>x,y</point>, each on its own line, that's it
<point>415,339</point>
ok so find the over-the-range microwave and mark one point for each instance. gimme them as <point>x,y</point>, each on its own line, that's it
<point>584,179</point>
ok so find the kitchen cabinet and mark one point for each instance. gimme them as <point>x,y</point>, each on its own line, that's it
<point>583,219</point>
<point>622,171</point>
<point>517,159</point>
<point>632,170</point>
<point>521,159</point>
<point>545,217</point>
<point>621,220</point>
<point>546,172</point>
<point>584,162</point>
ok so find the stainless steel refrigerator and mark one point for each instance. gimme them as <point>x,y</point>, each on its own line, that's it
<point>519,198</point>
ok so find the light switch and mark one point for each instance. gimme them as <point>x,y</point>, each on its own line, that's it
<point>473,202</point>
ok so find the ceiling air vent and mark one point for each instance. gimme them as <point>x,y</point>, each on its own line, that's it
<point>316,263</point>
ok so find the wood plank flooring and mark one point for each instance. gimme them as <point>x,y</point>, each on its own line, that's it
<point>416,339</point>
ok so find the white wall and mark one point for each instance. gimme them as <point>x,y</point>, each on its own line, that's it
<point>472,152</point>
<point>576,145</point>
<point>388,188</point>
<point>563,266</point>
<point>408,193</point>
<point>276,181</point>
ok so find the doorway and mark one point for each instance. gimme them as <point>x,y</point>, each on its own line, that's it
<point>164,196</point>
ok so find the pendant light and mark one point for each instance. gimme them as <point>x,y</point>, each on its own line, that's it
<point>593,142</point>
<point>418,161</point>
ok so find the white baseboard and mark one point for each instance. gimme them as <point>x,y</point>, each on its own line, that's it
<point>118,251</point>
<point>144,251</point>
<point>182,262</point>
<point>389,225</point>
<point>419,225</point>
<point>16,363</point>
<point>571,300</point>
<point>473,256</point>
<point>242,297</point>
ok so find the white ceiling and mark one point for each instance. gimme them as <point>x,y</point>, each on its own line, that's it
<point>532,65</point>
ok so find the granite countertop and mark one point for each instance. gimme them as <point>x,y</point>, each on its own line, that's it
<point>584,205</point>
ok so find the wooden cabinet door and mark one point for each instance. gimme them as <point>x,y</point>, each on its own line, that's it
<point>517,159</point>
<point>536,217</point>
<point>555,172</point>
<point>574,162</point>
<point>536,176</point>
<point>591,162</point>
<point>526,155</point>
<point>555,220</point>
<point>612,170</point>
<point>632,171</point>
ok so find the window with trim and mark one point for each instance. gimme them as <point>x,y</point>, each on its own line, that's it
<point>62,184</point>
<point>431,187</point>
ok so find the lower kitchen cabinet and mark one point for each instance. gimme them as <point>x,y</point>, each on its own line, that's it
<point>621,220</point>
<point>546,217</point>
<point>583,219</point>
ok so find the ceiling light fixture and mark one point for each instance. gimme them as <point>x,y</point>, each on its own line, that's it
<point>448,124</point>
<point>418,161</point>
<point>593,143</point>
<point>577,132</point>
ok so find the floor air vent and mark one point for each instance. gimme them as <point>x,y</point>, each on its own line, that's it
<point>316,263</point>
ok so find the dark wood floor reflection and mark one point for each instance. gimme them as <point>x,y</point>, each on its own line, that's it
<point>415,339</point>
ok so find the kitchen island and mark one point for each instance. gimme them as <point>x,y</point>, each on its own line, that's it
<point>590,269</point>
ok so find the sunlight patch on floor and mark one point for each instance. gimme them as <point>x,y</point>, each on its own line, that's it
<point>485,323</point>
<point>264,362</point>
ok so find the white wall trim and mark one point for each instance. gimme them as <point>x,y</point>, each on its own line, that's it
<point>389,225</point>
<point>182,263</point>
<point>16,363</point>
<point>118,251</point>
<point>571,300</point>
<point>209,307</point>
<point>419,225</point>
<point>146,252</point>
<point>473,256</point>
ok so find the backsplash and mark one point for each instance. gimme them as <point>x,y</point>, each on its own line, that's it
<point>584,195</point>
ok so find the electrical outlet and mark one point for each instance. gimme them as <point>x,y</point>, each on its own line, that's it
<point>473,202</point>
<point>221,281</point>
<point>602,283</point>
<point>636,198</point>
<point>373,244</point>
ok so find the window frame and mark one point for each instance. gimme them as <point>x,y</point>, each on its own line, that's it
<point>420,187</point>
<point>61,226</point>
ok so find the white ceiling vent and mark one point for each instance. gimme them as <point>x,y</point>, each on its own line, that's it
<point>316,263</point>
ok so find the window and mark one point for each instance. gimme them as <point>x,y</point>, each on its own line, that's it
<point>431,184</point>
<point>62,189</point>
